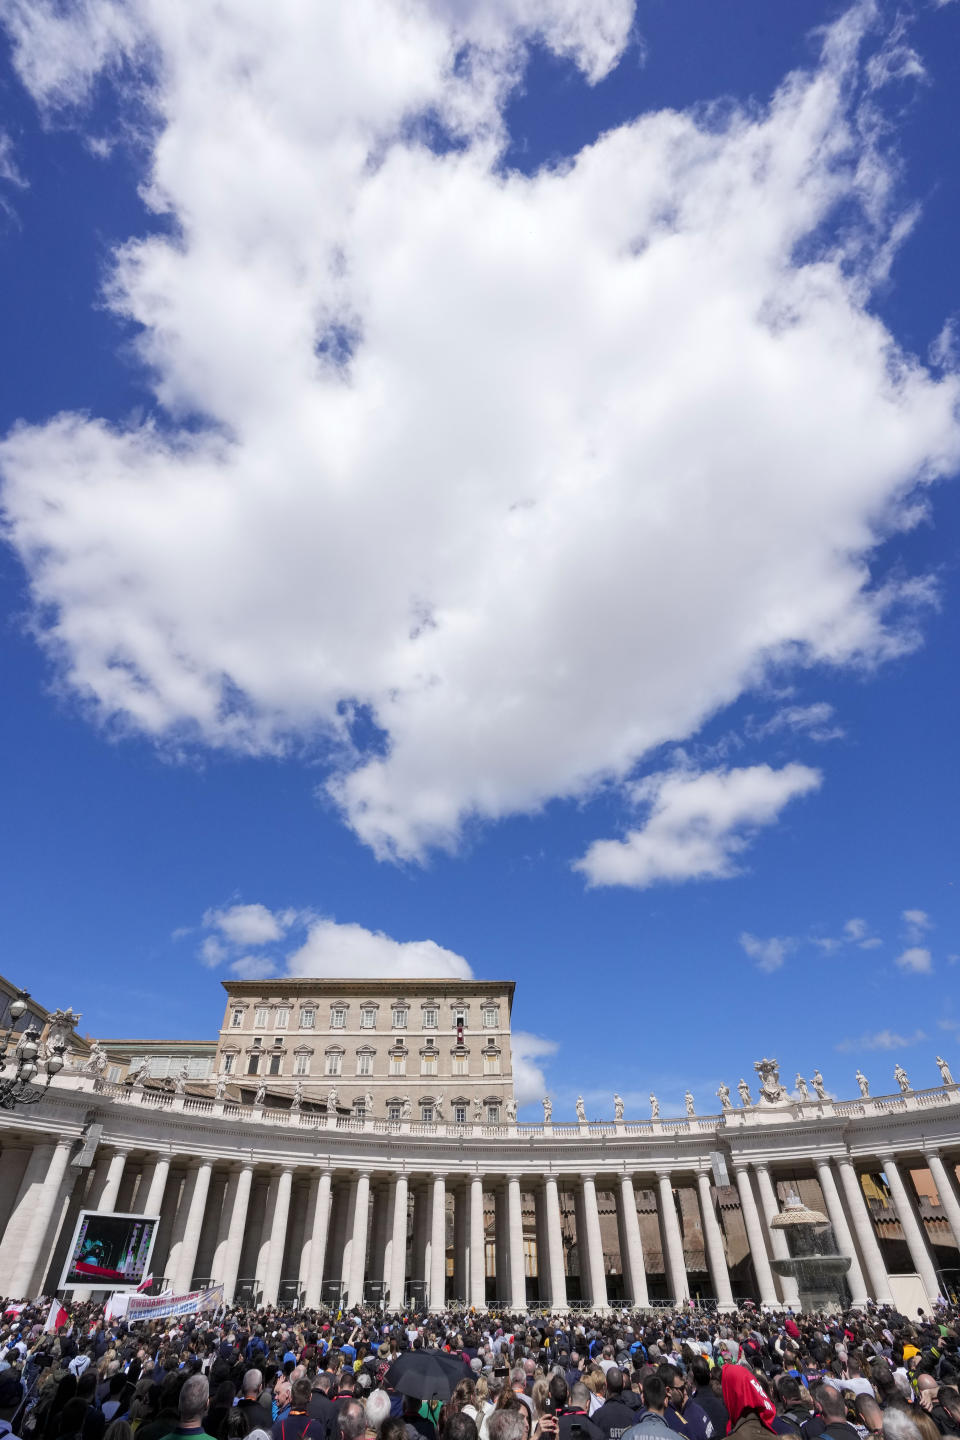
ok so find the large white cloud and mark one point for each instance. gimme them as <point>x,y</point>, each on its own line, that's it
<point>697,826</point>
<point>540,471</point>
<point>332,949</point>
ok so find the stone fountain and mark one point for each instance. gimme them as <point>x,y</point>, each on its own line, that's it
<point>814,1262</point>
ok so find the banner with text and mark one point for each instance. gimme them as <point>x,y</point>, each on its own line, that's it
<point>156,1307</point>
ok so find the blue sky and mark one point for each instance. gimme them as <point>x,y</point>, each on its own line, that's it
<point>506,501</point>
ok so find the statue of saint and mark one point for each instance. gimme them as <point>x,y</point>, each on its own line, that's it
<point>864,1084</point>
<point>368,1104</point>
<point>618,1108</point>
<point>180,1080</point>
<point>406,1109</point>
<point>581,1112</point>
<point>220,1089</point>
<point>945,1077</point>
<point>438,1115</point>
<point>297,1100</point>
<point>511,1111</point>
<point>688,1102</point>
<point>818,1087</point>
<point>333,1100</point>
<point>97,1062</point>
<point>900,1075</point>
<point>723,1095</point>
<point>743,1090</point>
<point>801,1085</point>
<point>477,1110</point>
<point>547,1110</point>
<point>138,1073</point>
<point>261,1094</point>
<point>654,1107</point>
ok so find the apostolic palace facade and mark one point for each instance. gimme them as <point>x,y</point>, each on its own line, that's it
<point>346,1141</point>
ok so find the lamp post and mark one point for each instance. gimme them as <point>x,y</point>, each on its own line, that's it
<point>16,1089</point>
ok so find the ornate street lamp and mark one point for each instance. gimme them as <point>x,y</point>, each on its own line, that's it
<point>17,1090</point>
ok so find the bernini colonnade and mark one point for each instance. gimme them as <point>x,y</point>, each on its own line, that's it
<point>280,1204</point>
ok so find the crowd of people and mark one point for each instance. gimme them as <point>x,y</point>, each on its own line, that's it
<point>272,1375</point>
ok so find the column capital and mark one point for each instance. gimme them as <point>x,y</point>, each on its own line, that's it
<point>664,1172</point>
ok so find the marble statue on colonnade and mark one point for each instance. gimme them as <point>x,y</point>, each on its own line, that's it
<point>771,1090</point>
<point>654,1107</point>
<point>137,1075</point>
<point>547,1110</point>
<point>477,1110</point>
<point>801,1085</point>
<point>688,1102</point>
<point>723,1095</point>
<point>581,1112</point>
<point>97,1062</point>
<point>900,1075</point>
<point>221,1088</point>
<point>297,1100</point>
<point>406,1108</point>
<point>511,1111</point>
<point>945,1077</point>
<point>743,1090</point>
<point>618,1108</point>
<point>333,1100</point>
<point>864,1084</point>
<point>261,1094</point>
<point>818,1086</point>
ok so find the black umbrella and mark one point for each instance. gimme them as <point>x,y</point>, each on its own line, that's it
<point>426,1373</point>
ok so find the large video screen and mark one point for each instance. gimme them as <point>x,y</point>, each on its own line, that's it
<point>110,1252</point>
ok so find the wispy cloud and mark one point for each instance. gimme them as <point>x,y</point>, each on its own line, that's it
<point>916,960</point>
<point>529,1081</point>
<point>815,721</point>
<point>881,1040</point>
<point>916,924</point>
<point>769,954</point>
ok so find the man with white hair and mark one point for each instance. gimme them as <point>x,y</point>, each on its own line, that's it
<point>377,1408</point>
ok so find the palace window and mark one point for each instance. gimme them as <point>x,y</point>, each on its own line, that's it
<point>460,1114</point>
<point>400,1015</point>
<point>365,1062</point>
<point>237,1018</point>
<point>261,1017</point>
<point>257,1041</point>
<point>394,1113</point>
<point>491,1063</point>
<point>368,1018</point>
<point>228,1064</point>
<point>459,1019</point>
<point>253,1065</point>
<point>338,1017</point>
<point>113,1074</point>
<point>301,1065</point>
<point>490,1017</point>
<point>308,1019</point>
<point>334,1064</point>
<point>461,1064</point>
<point>280,1019</point>
<point>493,1114</point>
<point>275,1061</point>
<point>426,1112</point>
<point>398,1064</point>
<point>428,1064</point>
<point>430,1019</point>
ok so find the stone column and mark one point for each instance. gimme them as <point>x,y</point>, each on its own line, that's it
<point>946,1189</point>
<point>223,1226</point>
<point>182,1277</point>
<point>111,1189</point>
<point>158,1183</point>
<point>912,1226</point>
<point>478,1258</point>
<point>438,1244</point>
<point>554,1238</point>
<point>43,1201</point>
<point>866,1235</point>
<point>841,1232</point>
<point>237,1231</point>
<point>595,1272</point>
<point>313,1269</point>
<point>273,1272</point>
<point>501,1241</point>
<point>518,1280</point>
<point>716,1255</point>
<point>381,1231</point>
<point>789,1288</point>
<point>21,1213</point>
<point>758,1250</point>
<point>673,1236</point>
<point>398,1245</point>
<point>631,1261</point>
<point>346,1255</point>
<point>358,1246</point>
<point>461,1201</point>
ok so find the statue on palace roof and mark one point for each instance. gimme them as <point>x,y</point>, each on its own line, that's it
<point>864,1084</point>
<point>723,1095</point>
<point>618,1108</point>
<point>688,1103</point>
<point>581,1112</point>
<point>801,1085</point>
<point>743,1090</point>
<point>654,1107</point>
<point>818,1086</point>
<point>945,1077</point>
<point>547,1110</point>
<point>900,1075</point>
<point>771,1090</point>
